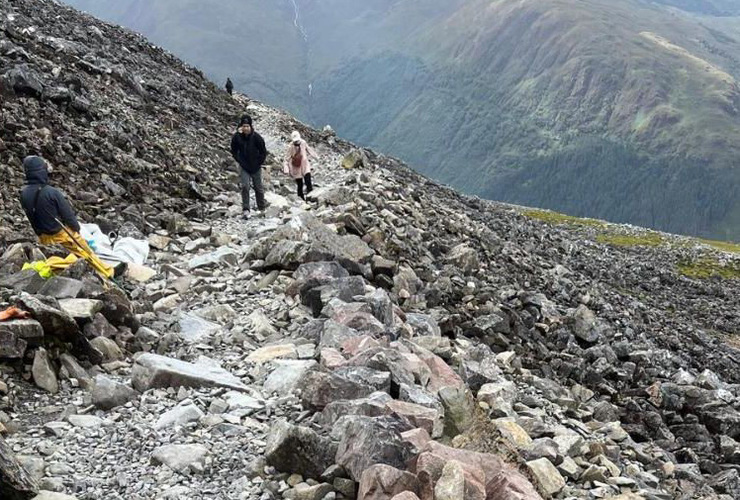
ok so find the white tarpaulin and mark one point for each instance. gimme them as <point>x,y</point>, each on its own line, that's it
<point>122,250</point>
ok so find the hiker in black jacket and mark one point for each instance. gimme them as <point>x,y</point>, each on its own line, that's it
<point>249,151</point>
<point>45,206</point>
<point>229,86</point>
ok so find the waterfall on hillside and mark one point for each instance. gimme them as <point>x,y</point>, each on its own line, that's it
<point>304,34</point>
<point>297,21</point>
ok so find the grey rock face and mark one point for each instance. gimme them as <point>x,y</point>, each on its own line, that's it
<point>298,449</point>
<point>368,441</point>
<point>318,389</point>
<point>60,287</point>
<point>15,482</point>
<point>44,374</point>
<point>53,320</point>
<point>108,394</point>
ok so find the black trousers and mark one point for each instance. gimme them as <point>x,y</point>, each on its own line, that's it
<point>309,186</point>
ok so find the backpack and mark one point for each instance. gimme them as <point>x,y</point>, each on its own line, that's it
<point>296,159</point>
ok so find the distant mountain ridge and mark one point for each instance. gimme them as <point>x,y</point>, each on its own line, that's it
<point>621,109</point>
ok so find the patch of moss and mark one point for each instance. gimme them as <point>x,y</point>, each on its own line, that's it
<point>709,267</point>
<point>725,246</point>
<point>558,218</point>
<point>646,239</point>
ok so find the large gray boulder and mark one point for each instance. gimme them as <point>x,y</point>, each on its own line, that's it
<point>15,482</point>
<point>28,330</point>
<point>81,309</point>
<point>11,345</point>
<point>60,287</point>
<point>108,394</point>
<point>52,318</point>
<point>43,372</point>
<point>287,374</point>
<point>368,441</point>
<point>318,389</point>
<point>341,288</point>
<point>299,450</point>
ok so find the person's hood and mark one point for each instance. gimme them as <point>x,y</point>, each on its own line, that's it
<point>245,120</point>
<point>36,169</point>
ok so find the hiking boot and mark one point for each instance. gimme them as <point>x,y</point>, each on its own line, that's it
<point>246,215</point>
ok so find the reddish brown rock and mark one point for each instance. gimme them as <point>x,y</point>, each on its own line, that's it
<point>331,358</point>
<point>355,345</point>
<point>406,495</point>
<point>382,482</point>
<point>418,438</point>
<point>500,480</point>
<point>419,416</point>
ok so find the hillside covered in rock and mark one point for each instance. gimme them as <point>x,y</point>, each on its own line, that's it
<point>619,109</point>
<point>388,339</point>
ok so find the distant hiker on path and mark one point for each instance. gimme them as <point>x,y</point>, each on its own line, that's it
<point>249,151</point>
<point>297,165</point>
<point>51,215</point>
<point>229,86</point>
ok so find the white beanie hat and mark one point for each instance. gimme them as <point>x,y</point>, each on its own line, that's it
<point>295,136</point>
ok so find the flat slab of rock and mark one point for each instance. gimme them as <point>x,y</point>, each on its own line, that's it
<point>60,287</point>
<point>286,375</point>
<point>51,495</point>
<point>181,457</point>
<point>195,329</point>
<point>81,309</point>
<point>85,421</point>
<point>166,304</point>
<point>153,371</point>
<point>222,255</point>
<point>221,313</point>
<point>270,352</point>
<point>179,415</point>
<point>139,273</point>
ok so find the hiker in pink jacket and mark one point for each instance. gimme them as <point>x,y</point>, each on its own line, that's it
<point>296,163</point>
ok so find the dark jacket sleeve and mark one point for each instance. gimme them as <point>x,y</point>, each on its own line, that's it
<point>233,146</point>
<point>65,211</point>
<point>262,149</point>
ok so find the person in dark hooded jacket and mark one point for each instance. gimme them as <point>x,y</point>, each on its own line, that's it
<point>229,86</point>
<point>249,151</point>
<point>51,215</point>
<point>45,206</point>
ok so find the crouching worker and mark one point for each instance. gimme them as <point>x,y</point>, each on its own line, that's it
<point>52,217</point>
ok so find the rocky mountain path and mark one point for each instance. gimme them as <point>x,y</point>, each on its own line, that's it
<point>74,447</point>
<point>259,327</point>
<point>390,340</point>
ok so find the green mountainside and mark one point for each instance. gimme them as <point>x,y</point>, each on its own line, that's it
<point>619,109</point>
